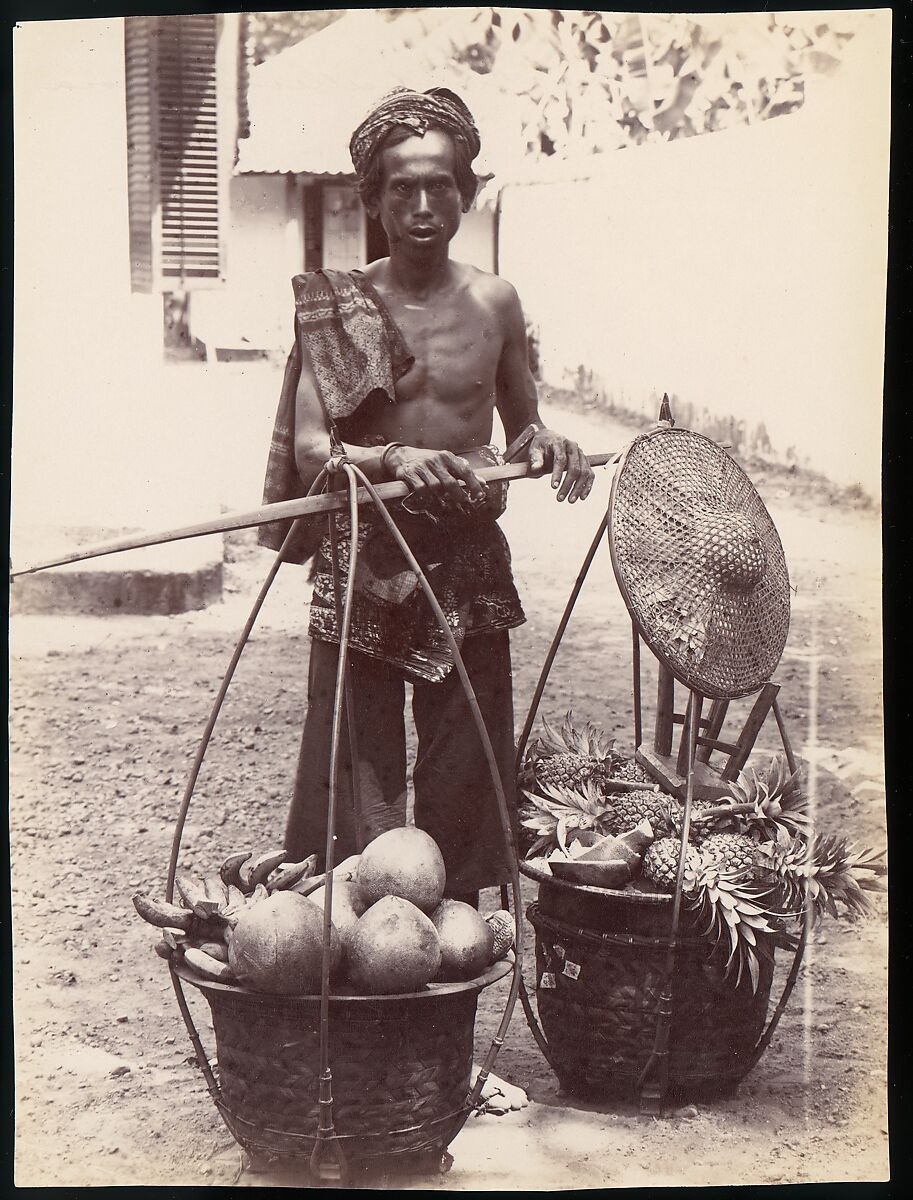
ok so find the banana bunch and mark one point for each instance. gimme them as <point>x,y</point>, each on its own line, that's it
<point>197,929</point>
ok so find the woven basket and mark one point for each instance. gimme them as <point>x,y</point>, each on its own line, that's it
<point>600,956</point>
<point>400,1064</point>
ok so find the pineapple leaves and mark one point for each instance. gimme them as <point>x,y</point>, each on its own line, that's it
<point>733,945</point>
<point>821,873</point>
<point>733,917</point>
<point>776,806</point>
<point>739,790</point>
<point>728,902</point>
<point>557,743</point>
<point>556,812</point>
<point>539,847</point>
<point>754,970</point>
<point>711,926</point>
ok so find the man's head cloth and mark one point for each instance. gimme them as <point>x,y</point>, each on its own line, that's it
<point>438,108</point>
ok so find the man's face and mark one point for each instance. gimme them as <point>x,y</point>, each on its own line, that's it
<point>419,204</point>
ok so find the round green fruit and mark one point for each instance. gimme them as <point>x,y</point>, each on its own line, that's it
<point>277,945</point>
<point>393,948</point>
<point>467,940</point>
<point>405,863</point>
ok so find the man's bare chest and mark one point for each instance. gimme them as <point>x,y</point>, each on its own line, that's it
<point>459,343</point>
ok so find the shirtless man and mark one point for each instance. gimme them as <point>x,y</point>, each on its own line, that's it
<point>467,332</point>
<point>452,348</point>
<point>459,338</point>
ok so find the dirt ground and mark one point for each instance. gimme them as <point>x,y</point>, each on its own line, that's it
<point>105,715</point>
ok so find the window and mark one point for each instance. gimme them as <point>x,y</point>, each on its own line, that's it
<point>175,164</point>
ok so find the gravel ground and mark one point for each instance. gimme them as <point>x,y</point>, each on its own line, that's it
<point>105,713</point>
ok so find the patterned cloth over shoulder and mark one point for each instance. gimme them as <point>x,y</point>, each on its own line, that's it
<point>357,354</point>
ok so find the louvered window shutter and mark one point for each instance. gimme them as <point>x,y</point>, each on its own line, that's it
<point>174,162</point>
<point>189,148</point>
<point>142,168</point>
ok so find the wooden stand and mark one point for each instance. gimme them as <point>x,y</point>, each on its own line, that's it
<point>668,764</point>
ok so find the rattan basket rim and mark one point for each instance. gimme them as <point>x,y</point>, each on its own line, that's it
<point>628,896</point>
<point>433,991</point>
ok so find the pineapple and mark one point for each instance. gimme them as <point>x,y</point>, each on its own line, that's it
<point>568,770</point>
<point>732,852</point>
<point>815,874</point>
<point>701,827</point>
<point>630,808</point>
<point>558,812</point>
<point>630,771</point>
<point>571,757</point>
<point>661,862</point>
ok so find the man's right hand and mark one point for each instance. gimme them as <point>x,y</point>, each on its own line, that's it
<point>435,475</point>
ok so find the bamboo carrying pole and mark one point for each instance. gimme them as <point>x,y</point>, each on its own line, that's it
<point>267,513</point>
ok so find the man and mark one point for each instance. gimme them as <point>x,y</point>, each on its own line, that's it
<point>401,368</point>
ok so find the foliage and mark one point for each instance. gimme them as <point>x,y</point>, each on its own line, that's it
<point>595,81</point>
<point>272,32</point>
<point>591,81</point>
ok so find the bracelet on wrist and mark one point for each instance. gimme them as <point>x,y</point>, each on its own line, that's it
<point>387,449</point>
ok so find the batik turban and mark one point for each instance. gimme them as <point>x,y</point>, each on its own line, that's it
<point>438,108</point>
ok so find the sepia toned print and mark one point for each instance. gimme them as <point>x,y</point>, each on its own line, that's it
<point>679,236</point>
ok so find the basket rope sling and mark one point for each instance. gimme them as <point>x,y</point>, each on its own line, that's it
<point>628,1002</point>
<point>265,1043</point>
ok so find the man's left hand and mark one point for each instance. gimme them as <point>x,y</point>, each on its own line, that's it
<point>550,451</point>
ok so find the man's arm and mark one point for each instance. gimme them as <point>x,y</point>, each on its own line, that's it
<point>518,407</point>
<point>312,432</point>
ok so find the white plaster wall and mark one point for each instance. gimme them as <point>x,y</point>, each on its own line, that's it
<point>264,250</point>
<point>474,242</point>
<point>742,270</point>
<point>101,436</point>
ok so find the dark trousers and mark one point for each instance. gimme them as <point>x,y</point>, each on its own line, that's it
<point>455,800</point>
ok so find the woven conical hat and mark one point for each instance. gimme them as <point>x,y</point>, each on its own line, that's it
<point>699,563</point>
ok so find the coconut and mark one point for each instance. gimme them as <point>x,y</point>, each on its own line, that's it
<point>467,940</point>
<point>405,863</point>
<point>277,945</point>
<point>348,905</point>
<point>394,947</point>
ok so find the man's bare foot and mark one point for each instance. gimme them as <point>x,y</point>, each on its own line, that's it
<point>498,1096</point>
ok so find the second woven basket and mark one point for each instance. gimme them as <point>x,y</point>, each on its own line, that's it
<point>600,957</point>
